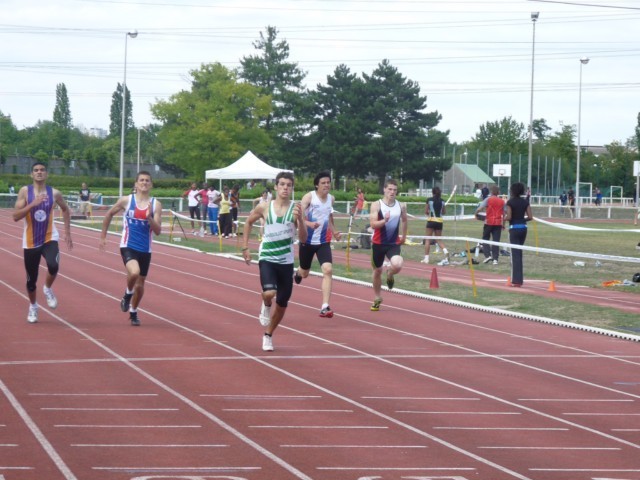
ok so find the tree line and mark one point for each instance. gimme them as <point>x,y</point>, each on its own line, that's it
<point>372,125</point>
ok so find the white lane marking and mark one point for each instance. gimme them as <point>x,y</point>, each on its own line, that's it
<point>354,446</point>
<point>93,394</point>
<point>535,429</point>
<point>37,433</point>
<point>322,427</point>
<point>458,413</point>
<point>116,445</point>
<point>261,397</point>
<point>284,410</point>
<point>575,400</point>
<point>550,448</point>
<point>448,399</point>
<point>110,409</point>
<point>126,426</point>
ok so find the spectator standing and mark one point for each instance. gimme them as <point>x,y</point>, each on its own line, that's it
<point>563,201</point>
<point>193,198</point>
<point>85,200</point>
<point>359,203</point>
<point>518,214</point>
<point>317,208</point>
<point>213,208</point>
<point>276,255</point>
<point>493,224</point>
<point>387,214</point>
<point>35,204</point>
<point>485,191</point>
<point>234,208</point>
<point>224,215</point>
<point>142,217</point>
<point>204,207</point>
<point>434,209</point>
<point>572,202</point>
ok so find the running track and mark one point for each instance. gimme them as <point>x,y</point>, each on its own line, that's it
<point>419,390</point>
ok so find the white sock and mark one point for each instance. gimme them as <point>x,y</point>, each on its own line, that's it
<point>324,305</point>
<point>426,259</point>
<point>445,251</point>
<point>128,292</point>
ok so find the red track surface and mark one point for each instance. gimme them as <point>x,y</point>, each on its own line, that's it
<point>419,390</point>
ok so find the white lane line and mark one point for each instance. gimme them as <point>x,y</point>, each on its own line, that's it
<point>82,409</point>
<point>575,400</point>
<point>128,426</point>
<point>116,445</point>
<point>8,444</point>
<point>14,468</point>
<point>594,470</point>
<point>534,429</point>
<point>401,469</point>
<point>322,427</point>
<point>93,394</point>
<point>625,429</point>
<point>37,433</point>
<point>457,413</point>
<point>551,448</point>
<point>262,397</point>
<point>604,414</point>
<point>284,410</point>
<point>463,399</point>
<point>177,469</point>
<point>354,446</point>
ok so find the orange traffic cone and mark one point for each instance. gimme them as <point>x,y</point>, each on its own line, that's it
<point>552,286</point>
<point>434,279</point>
<point>509,282</point>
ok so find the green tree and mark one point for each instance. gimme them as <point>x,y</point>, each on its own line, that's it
<point>62,110</point>
<point>282,80</point>
<point>115,117</point>
<point>506,136</point>
<point>212,124</point>
<point>540,129</point>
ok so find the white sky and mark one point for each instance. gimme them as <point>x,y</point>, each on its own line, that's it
<point>471,58</point>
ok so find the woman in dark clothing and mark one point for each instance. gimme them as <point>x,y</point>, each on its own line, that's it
<point>518,214</point>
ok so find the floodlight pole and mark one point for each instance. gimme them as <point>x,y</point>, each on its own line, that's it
<point>583,61</point>
<point>124,109</point>
<point>534,19</point>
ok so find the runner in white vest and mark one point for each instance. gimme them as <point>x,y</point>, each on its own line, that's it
<point>318,217</point>
<point>282,218</point>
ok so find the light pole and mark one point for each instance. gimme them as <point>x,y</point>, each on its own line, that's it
<point>534,19</point>
<point>124,108</point>
<point>583,61</point>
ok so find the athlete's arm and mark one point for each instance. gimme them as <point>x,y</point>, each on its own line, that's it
<point>119,206</point>
<point>66,216</point>
<point>298,214</point>
<point>256,214</point>
<point>155,221</point>
<point>21,207</point>
<point>405,224</point>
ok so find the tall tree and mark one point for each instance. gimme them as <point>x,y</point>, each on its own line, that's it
<point>115,117</point>
<point>275,75</point>
<point>62,110</point>
<point>398,125</point>
<point>214,123</point>
<point>505,136</point>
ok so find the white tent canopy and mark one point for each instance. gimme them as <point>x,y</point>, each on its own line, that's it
<point>247,167</point>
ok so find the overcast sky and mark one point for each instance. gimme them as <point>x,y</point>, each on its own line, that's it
<point>472,59</point>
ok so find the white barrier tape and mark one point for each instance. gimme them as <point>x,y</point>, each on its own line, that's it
<point>566,226</point>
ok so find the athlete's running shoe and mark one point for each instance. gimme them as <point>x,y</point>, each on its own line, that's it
<point>326,312</point>
<point>126,300</point>
<point>32,316</point>
<point>376,305</point>
<point>133,317</point>
<point>390,281</point>
<point>267,343</point>
<point>265,315</point>
<point>52,301</point>
<point>297,278</point>
<point>488,260</point>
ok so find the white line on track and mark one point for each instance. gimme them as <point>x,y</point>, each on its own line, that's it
<point>548,448</point>
<point>37,433</point>
<point>83,409</point>
<point>128,445</point>
<point>533,429</point>
<point>354,446</point>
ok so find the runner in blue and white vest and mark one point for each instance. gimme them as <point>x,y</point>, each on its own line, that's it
<point>318,218</point>
<point>282,219</point>
<point>142,216</point>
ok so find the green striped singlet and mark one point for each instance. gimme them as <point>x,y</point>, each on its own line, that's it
<point>278,236</point>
